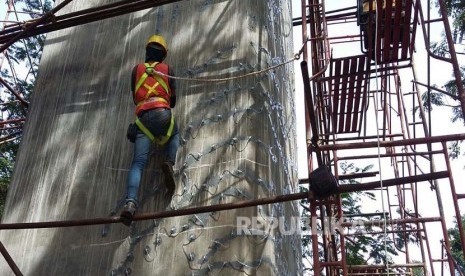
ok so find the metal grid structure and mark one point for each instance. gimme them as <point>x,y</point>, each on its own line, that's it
<point>358,103</point>
<point>339,94</point>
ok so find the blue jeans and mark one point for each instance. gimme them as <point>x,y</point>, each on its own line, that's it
<point>157,121</point>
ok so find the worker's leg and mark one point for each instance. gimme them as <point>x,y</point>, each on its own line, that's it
<point>142,148</point>
<point>172,146</point>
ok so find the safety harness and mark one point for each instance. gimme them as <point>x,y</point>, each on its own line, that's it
<point>160,140</point>
<point>150,71</point>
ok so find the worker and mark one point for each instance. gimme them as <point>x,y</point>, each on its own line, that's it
<point>154,96</point>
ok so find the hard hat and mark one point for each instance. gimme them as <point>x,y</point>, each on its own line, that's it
<point>158,39</point>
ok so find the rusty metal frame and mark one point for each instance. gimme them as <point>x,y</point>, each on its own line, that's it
<point>330,143</point>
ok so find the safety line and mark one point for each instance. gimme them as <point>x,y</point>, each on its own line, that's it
<point>296,57</point>
<point>378,138</point>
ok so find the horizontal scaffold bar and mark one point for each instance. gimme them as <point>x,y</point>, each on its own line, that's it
<point>225,206</point>
<point>404,142</point>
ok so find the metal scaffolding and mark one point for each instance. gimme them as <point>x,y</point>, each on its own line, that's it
<point>344,96</point>
<point>358,104</point>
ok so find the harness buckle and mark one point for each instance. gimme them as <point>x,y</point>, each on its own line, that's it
<point>150,71</point>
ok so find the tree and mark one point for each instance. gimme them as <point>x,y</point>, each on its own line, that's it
<point>363,249</point>
<point>456,11</point>
<point>456,245</point>
<point>417,271</point>
<point>25,56</point>
<point>360,249</point>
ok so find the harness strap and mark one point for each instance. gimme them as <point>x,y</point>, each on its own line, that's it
<point>160,140</point>
<point>161,82</point>
<point>149,70</point>
<point>145,130</point>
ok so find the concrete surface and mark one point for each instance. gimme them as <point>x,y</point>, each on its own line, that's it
<point>238,142</point>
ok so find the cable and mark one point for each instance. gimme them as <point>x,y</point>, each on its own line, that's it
<point>296,57</point>
<point>378,138</point>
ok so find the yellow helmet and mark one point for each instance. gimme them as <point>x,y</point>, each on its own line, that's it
<point>158,39</point>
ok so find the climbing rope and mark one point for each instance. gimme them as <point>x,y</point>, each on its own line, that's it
<point>378,140</point>
<point>294,58</point>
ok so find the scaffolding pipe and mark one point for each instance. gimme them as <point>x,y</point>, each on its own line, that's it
<point>380,223</point>
<point>45,25</point>
<point>12,121</point>
<point>453,56</point>
<point>405,142</point>
<point>449,254</point>
<point>222,207</point>
<point>30,26</point>
<point>389,155</point>
<point>311,111</point>
<point>394,181</point>
<point>454,199</point>
<point>10,260</point>
<point>16,94</point>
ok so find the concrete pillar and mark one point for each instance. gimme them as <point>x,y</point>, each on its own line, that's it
<point>238,142</point>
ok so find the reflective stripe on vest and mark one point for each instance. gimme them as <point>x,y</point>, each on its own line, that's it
<point>160,140</point>
<point>152,99</point>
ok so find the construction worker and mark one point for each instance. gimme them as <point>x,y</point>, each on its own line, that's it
<point>154,96</point>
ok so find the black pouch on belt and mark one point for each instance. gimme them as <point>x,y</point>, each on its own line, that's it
<point>132,132</point>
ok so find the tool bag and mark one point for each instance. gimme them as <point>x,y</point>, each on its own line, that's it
<point>132,132</point>
<point>322,182</point>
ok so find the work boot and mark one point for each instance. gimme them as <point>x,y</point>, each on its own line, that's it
<point>128,213</point>
<point>167,168</point>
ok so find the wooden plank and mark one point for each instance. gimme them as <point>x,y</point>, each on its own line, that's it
<point>380,19</point>
<point>406,27</point>
<point>343,95</point>
<point>397,31</point>
<point>360,91</point>
<point>336,88</point>
<point>351,93</point>
<point>388,28</point>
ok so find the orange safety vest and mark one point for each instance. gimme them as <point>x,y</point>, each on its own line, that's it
<point>152,90</point>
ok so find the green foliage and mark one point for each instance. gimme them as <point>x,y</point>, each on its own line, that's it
<point>416,271</point>
<point>454,149</point>
<point>36,8</point>
<point>451,88</point>
<point>456,10</point>
<point>434,98</point>
<point>7,154</point>
<point>24,54</point>
<point>456,245</point>
<point>361,249</point>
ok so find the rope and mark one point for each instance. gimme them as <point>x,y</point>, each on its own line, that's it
<point>295,57</point>
<point>378,139</point>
